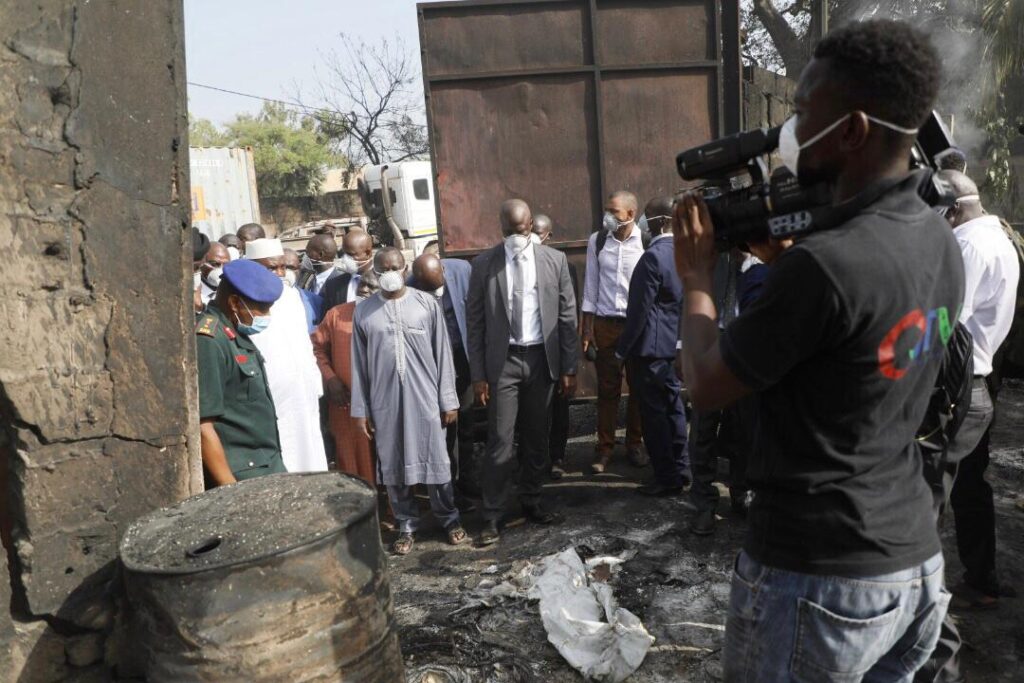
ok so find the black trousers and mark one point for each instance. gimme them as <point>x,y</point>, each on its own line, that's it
<point>523,391</point>
<point>727,433</point>
<point>558,437</point>
<point>966,456</point>
<point>659,393</point>
<point>971,498</point>
<point>460,439</point>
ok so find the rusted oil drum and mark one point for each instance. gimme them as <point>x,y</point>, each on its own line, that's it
<point>279,578</point>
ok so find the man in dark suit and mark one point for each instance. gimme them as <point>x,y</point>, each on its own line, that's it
<point>319,268</point>
<point>648,345</point>
<point>559,433</point>
<point>448,280</point>
<point>521,331</point>
<point>356,259</point>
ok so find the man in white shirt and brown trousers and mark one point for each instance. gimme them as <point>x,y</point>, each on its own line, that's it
<point>992,270</point>
<point>605,297</point>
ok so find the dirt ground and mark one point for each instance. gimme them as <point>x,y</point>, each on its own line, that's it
<point>676,583</point>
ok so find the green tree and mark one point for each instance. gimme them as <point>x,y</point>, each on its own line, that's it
<point>204,133</point>
<point>291,157</point>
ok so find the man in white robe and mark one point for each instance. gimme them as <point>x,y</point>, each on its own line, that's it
<point>292,373</point>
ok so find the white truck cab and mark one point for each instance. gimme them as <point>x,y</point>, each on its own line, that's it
<point>410,196</point>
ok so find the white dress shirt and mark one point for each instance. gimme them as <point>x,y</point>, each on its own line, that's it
<point>321,279</point>
<point>606,279</point>
<point>991,272</point>
<point>532,331</point>
<point>353,287</point>
<point>206,292</point>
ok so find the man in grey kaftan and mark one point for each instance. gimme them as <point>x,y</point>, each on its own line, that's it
<point>403,394</point>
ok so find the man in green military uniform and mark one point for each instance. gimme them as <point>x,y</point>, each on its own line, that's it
<point>237,420</point>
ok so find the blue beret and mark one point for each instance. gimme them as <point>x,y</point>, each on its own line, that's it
<point>253,281</point>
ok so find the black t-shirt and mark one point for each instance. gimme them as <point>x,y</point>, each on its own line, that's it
<point>843,347</point>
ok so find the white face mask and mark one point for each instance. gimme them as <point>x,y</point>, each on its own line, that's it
<point>790,147</point>
<point>611,223</point>
<point>212,278</point>
<point>517,243</point>
<point>391,281</point>
<point>233,253</point>
<point>535,238</point>
<point>347,264</point>
<point>290,277</point>
<point>439,292</point>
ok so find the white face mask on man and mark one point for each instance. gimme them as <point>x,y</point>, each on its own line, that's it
<point>790,147</point>
<point>347,264</point>
<point>517,243</point>
<point>392,280</point>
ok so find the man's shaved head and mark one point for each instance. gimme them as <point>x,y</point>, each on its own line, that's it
<point>659,214</point>
<point>968,208</point>
<point>622,205</point>
<point>962,185</point>
<point>515,217</point>
<point>229,240</point>
<point>626,198</point>
<point>218,252</point>
<point>250,232</point>
<point>388,258</point>
<point>323,249</point>
<point>429,272</point>
<point>542,227</point>
<point>359,245</point>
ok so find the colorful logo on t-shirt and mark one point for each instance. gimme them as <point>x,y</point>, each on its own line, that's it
<point>912,339</point>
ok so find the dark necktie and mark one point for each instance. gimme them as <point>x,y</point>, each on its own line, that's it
<point>517,297</point>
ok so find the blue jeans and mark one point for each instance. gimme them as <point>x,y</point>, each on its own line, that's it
<point>786,626</point>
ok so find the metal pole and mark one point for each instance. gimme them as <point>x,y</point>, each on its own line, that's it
<point>823,13</point>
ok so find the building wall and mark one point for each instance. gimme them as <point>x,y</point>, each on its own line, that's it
<point>767,98</point>
<point>97,377</point>
<point>279,214</point>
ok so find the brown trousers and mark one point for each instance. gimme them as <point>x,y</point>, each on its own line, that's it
<point>610,372</point>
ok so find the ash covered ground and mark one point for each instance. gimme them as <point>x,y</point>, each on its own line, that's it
<point>677,583</point>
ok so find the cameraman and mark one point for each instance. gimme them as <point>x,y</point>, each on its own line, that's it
<point>841,575</point>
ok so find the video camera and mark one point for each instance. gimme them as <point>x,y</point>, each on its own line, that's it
<point>747,203</point>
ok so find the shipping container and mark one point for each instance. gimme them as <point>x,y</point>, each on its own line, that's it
<point>561,102</point>
<point>223,189</point>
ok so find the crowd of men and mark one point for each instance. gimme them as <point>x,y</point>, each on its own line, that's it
<point>791,354</point>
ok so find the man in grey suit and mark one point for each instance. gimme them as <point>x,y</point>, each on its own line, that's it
<point>521,334</point>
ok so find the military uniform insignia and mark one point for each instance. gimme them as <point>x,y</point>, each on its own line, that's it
<point>229,332</point>
<point>242,359</point>
<point>207,326</point>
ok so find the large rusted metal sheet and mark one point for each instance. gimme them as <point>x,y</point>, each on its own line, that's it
<point>560,102</point>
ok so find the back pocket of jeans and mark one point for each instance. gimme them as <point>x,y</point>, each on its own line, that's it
<point>834,648</point>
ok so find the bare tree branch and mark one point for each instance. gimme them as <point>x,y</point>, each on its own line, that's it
<point>376,86</point>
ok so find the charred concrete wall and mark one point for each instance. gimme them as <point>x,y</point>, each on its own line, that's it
<point>97,381</point>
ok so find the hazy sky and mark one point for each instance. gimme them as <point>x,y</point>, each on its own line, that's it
<point>264,47</point>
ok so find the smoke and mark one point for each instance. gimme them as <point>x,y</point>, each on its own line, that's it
<point>953,27</point>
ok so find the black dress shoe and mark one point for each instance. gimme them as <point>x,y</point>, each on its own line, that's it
<point>539,515</point>
<point>703,523</point>
<point>659,490</point>
<point>489,535</point>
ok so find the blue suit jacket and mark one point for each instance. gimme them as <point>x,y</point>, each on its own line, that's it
<point>456,289</point>
<point>456,286</point>
<point>655,299</point>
